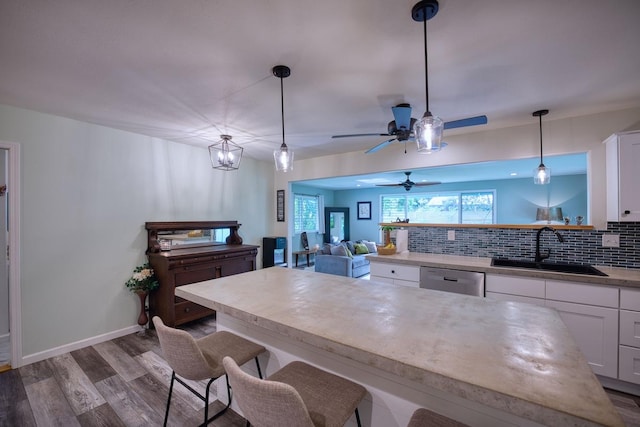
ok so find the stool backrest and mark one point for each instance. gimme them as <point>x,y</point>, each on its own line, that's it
<point>181,352</point>
<point>266,403</point>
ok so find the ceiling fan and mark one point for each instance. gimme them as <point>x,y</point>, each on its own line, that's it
<point>402,127</point>
<point>408,184</point>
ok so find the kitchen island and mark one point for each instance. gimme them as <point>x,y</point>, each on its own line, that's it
<point>482,362</point>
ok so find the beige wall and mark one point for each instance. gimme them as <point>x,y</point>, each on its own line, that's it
<point>578,134</point>
<point>87,191</point>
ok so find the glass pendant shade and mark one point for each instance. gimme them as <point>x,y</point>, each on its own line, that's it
<point>542,175</point>
<point>225,155</point>
<point>428,133</point>
<point>283,158</point>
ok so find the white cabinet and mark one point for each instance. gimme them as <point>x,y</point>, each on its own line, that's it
<point>405,275</point>
<point>629,356</point>
<point>590,313</point>
<point>515,288</point>
<point>623,175</point>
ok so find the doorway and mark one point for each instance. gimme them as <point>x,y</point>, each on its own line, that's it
<point>5,338</point>
<point>10,326</point>
<point>336,224</point>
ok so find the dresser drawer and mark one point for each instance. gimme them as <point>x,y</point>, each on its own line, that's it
<point>629,364</point>
<point>187,311</point>
<point>394,271</point>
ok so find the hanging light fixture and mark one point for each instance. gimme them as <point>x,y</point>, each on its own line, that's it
<point>427,130</point>
<point>282,156</point>
<point>541,174</point>
<point>225,155</point>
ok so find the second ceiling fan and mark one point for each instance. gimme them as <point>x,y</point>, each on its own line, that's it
<point>408,184</point>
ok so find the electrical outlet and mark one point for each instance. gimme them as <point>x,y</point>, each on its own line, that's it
<point>451,234</point>
<point>611,240</point>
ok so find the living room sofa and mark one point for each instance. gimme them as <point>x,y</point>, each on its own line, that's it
<point>345,259</point>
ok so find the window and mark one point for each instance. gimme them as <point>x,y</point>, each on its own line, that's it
<point>463,207</point>
<point>306,211</point>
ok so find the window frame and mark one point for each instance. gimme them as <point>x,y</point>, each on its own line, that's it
<point>298,220</point>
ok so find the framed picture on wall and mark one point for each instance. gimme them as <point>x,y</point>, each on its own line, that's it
<point>364,210</point>
<point>280,205</point>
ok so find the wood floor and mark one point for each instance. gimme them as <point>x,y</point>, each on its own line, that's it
<point>124,382</point>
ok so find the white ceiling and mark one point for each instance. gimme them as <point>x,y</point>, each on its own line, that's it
<point>191,70</point>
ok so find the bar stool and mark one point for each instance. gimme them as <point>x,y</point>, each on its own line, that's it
<point>201,359</point>
<point>298,395</point>
<point>425,418</point>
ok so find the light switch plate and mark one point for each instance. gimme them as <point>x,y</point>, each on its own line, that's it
<point>611,240</point>
<point>451,234</point>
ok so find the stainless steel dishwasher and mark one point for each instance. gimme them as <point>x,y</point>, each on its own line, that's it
<point>457,281</point>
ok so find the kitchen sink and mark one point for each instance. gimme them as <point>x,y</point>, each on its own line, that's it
<point>558,267</point>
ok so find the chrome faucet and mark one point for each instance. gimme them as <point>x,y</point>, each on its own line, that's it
<point>539,256</point>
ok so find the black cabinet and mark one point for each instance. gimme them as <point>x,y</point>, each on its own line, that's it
<point>274,251</point>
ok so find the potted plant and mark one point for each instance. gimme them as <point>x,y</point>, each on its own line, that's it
<point>141,283</point>
<point>386,231</point>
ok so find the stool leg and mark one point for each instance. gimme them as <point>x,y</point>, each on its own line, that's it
<point>358,418</point>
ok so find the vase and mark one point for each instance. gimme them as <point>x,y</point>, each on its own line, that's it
<point>142,318</point>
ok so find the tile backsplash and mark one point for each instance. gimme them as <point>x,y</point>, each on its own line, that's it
<point>582,246</point>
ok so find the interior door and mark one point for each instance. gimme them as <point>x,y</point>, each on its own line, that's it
<point>5,341</point>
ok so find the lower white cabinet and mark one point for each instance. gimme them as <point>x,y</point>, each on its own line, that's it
<point>629,351</point>
<point>590,312</point>
<point>595,331</point>
<point>404,275</point>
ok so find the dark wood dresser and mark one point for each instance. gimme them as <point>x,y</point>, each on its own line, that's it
<point>192,251</point>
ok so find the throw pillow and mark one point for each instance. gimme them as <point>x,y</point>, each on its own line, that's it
<point>339,250</point>
<point>326,249</point>
<point>371,247</point>
<point>349,253</point>
<point>360,248</point>
<point>349,245</point>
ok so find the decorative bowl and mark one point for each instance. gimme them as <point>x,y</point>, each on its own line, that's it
<point>386,251</point>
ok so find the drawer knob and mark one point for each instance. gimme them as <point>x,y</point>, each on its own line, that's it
<point>188,309</point>
<point>393,272</point>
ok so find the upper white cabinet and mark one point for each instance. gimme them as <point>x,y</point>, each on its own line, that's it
<point>623,175</point>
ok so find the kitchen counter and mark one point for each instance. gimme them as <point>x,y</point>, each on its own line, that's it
<point>517,360</point>
<point>627,277</point>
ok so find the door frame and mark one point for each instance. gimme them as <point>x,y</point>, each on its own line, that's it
<point>15,300</point>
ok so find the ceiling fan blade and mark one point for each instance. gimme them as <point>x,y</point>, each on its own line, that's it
<point>360,134</point>
<point>390,185</point>
<point>470,121</point>
<point>423,184</point>
<point>402,115</point>
<point>380,146</point>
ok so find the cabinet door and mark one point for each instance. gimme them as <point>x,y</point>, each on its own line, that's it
<point>629,192</point>
<point>595,331</point>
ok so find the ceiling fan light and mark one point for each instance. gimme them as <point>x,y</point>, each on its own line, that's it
<point>428,134</point>
<point>225,155</point>
<point>542,175</point>
<point>283,158</point>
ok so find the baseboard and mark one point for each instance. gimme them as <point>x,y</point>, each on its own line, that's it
<point>57,351</point>
<point>619,385</point>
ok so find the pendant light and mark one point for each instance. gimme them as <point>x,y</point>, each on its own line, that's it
<point>541,174</point>
<point>225,155</point>
<point>427,130</point>
<point>282,156</point>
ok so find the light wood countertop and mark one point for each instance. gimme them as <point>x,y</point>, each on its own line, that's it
<point>517,358</point>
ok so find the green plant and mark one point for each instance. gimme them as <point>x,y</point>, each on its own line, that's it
<point>387,228</point>
<point>143,279</point>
